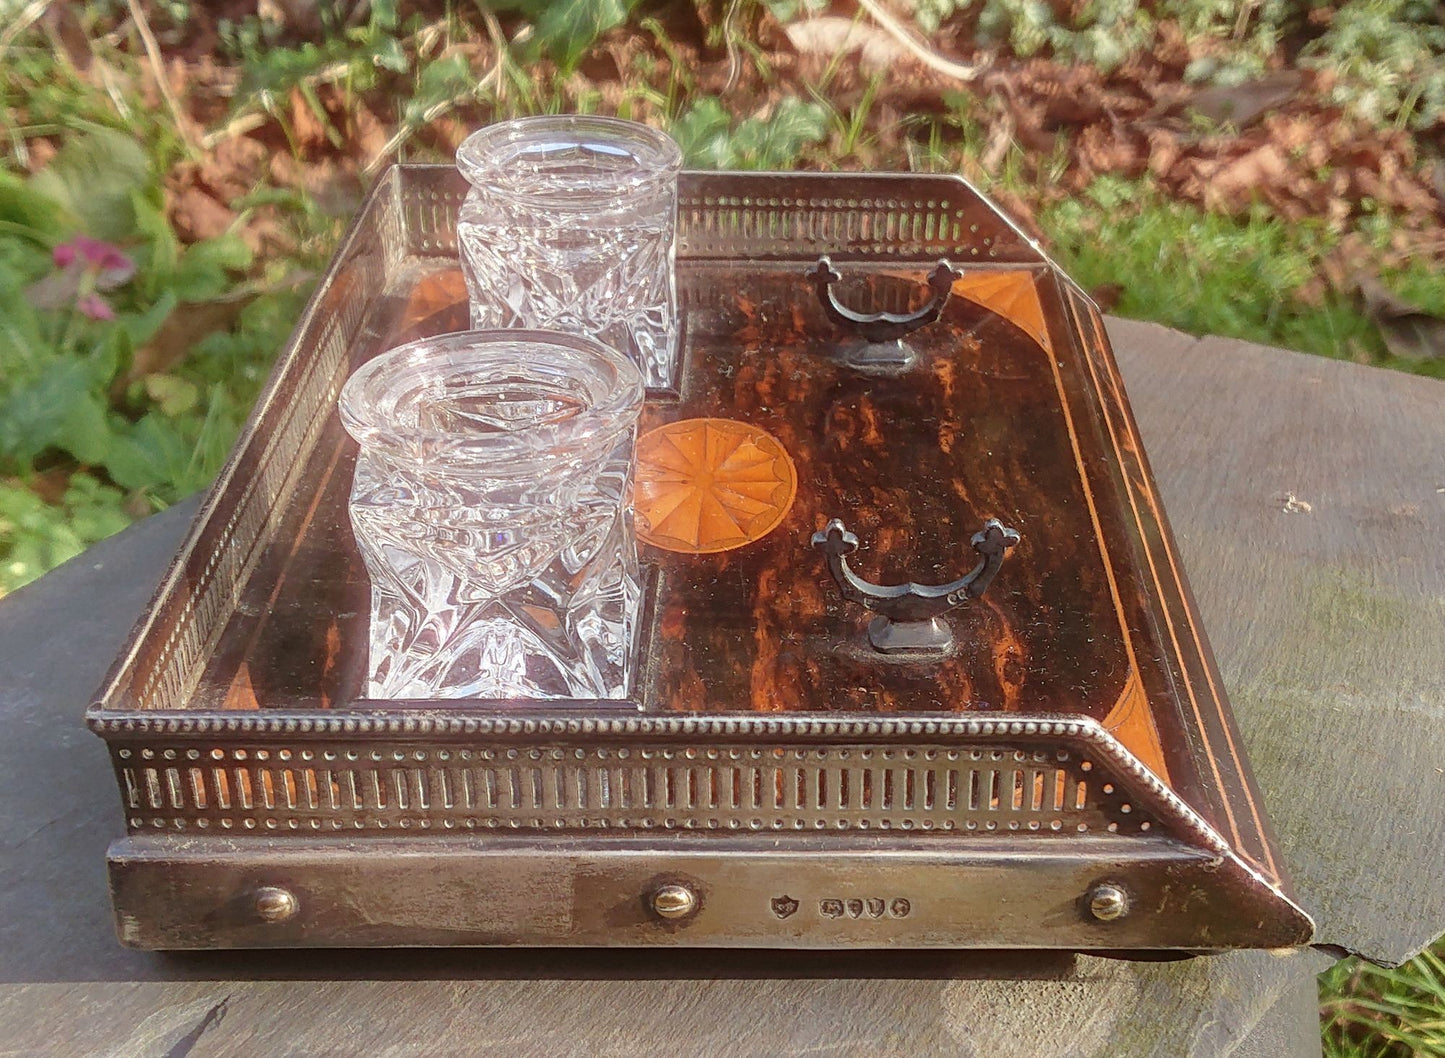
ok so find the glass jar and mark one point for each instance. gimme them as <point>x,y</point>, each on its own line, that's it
<point>570,225</point>
<point>491,504</point>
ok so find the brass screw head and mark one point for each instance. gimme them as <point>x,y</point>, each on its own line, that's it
<point>1108,902</point>
<point>674,901</point>
<point>275,904</point>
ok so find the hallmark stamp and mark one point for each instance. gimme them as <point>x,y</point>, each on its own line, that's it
<point>865,907</point>
<point>784,905</point>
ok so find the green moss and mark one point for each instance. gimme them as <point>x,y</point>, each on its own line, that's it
<point>1345,606</point>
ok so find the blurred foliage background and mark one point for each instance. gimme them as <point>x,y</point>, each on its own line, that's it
<point>175,175</point>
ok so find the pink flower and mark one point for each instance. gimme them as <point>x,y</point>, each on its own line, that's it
<point>112,265</point>
<point>95,306</point>
<point>85,266</point>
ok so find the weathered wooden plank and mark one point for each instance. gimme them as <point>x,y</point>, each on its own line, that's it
<point>1308,496</point>
<point>57,793</point>
<point>1291,1026</point>
<point>734,1005</point>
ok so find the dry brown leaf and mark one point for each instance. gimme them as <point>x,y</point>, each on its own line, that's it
<point>265,236</point>
<point>1312,291</point>
<point>233,167</point>
<point>1067,97</point>
<point>209,89</point>
<point>369,133</point>
<point>971,171</point>
<point>1294,132</point>
<point>1409,332</point>
<point>1243,104</point>
<point>39,153</point>
<point>50,485</point>
<point>301,17</point>
<point>830,36</point>
<point>1171,49</point>
<point>195,215</point>
<point>336,188</point>
<point>1409,193</point>
<point>1235,184</point>
<point>187,324</point>
<point>1170,97</point>
<point>1102,150</point>
<point>306,127</point>
<point>1164,151</point>
<point>63,25</point>
<point>1000,138</point>
<point>450,131</point>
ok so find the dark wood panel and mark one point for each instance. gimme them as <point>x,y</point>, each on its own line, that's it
<point>914,464</point>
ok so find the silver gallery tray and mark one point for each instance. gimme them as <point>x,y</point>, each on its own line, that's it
<point>1069,776</point>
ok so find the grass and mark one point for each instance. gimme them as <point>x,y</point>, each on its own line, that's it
<point>1204,273</point>
<point>1252,276</point>
<point>1372,1012</point>
<point>106,419</point>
